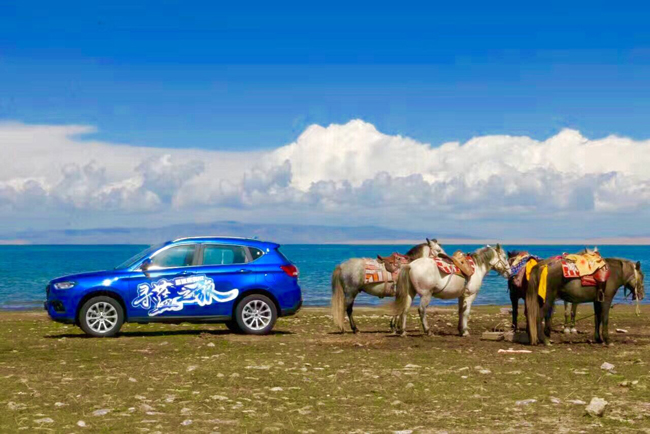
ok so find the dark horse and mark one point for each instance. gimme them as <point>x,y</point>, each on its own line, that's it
<point>624,273</point>
<point>517,285</point>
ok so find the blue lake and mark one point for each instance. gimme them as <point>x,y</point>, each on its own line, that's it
<point>25,270</point>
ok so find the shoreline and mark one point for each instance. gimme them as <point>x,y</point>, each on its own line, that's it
<point>604,241</point>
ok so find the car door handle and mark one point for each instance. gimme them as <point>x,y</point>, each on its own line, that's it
<point>243,270</point>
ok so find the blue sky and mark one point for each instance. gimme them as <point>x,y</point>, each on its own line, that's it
<point>224,76</point>
<point>304,113</point>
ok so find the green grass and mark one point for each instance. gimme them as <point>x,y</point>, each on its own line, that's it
<point>304,378</point>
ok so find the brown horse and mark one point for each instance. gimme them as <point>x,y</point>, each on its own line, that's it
<point>624,273</point>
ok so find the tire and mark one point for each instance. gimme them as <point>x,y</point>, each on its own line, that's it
<point>106,325</point>
<point>256,314</point>
<point>232,326</point>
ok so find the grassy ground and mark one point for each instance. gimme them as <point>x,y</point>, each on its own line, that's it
<point>304,378</point>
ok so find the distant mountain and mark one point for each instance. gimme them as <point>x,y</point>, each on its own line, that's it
<point>281,233</point>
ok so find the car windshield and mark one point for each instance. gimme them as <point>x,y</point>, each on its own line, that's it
<point>135,258</point>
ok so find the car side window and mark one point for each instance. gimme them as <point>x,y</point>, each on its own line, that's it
<point>255,253</point>
<point>214,254</point>
<point>177,256</point>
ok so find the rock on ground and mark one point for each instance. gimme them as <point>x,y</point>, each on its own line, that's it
<point>596,407</point>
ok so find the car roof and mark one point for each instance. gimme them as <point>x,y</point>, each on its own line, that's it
<point>251,242</point>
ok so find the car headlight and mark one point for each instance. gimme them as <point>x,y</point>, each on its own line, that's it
<point>64,285</point>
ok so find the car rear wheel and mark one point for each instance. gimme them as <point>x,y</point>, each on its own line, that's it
<point>101,317</point>
<point>256,314</point>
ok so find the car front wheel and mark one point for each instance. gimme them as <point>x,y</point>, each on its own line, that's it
<point>101,317</point>
<point>256,314</point>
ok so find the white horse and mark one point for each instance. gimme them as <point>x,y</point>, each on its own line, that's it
<point>348,280</point>
<point>423,277</point>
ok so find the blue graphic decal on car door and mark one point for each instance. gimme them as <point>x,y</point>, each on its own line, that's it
<point>174,294</point>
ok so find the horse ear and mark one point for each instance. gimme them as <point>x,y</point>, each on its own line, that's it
<point>435,241</point>
<point>595,249</point>
<point>638,265</point>
<point>428,241</point>
<point>380,259</point>
<point>499,246</point>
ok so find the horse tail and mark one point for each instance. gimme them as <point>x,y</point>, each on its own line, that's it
<point>532,306</point>
<point>403,295</point>
<point>338,299</point>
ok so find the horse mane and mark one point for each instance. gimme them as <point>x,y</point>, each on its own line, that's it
<point>514,253</point>
<point>483,255</point>
<point>415,251</point>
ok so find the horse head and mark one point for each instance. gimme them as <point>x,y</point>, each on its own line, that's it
<point>435,249</point>
<point>499,262</point>
<point>635,284</point>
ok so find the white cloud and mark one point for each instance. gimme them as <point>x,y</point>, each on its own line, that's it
<point>335,170</point>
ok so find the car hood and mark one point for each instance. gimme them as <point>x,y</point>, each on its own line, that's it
<point>87,276</point>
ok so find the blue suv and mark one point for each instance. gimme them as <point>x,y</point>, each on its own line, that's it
<point>243,283</point>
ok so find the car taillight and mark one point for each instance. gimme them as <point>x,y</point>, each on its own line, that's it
<point>290,269</point>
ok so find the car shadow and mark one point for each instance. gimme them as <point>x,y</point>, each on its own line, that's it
<point>153,333</point>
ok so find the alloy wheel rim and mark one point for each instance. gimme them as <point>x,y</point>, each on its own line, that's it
<point>256,314</point>
<point>101,317</point>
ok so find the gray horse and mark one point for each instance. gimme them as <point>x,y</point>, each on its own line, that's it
<point>348,280</point>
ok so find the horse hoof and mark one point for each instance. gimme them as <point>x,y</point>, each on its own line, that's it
<point>464,334</point>
<point>355,331</point>
<point>567,331</point>
<point>574,331</point>
<point>609,344</point>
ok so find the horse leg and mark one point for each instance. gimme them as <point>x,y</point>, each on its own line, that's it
<point>515,310</point>
<point>393,324</point>
<point>349,303</point>
<point>464,309</point>
<point>548,320</point>
<point>546,307</point>
<point>422,310</point>
<point>402,318</point>
<point>598,311</point>
<point>567,318</point>
<point>574,312</point>
<point>605,321</point>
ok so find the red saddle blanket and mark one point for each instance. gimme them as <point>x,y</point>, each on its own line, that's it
<point>446,266</point>
<point>375,272</point>
<point>570,271</point>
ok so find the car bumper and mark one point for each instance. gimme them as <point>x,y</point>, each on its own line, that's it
<point>56,311</point>
<point>292,310</point>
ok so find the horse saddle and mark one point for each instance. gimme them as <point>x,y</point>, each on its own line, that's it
<point>522,268</point>
<point>459,263</point>
<point>385,269</point>
<point>591,268</point>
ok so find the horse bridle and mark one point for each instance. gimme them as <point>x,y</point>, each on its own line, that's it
<point>501,262</point>
<point>636,283</point>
